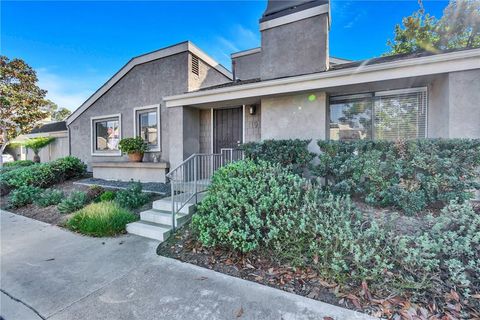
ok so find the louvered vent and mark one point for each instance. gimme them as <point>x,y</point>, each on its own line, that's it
<point>195,65</point>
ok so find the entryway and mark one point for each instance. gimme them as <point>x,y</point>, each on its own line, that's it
<point>227,128</point>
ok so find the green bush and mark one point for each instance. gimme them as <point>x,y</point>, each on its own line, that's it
<point>249,204</point>
<point>409,175</point>
<point>44,174</point>
<point>101,219</point>
<point>288,153</point>
<point>49,197</point>
<point>132,197</point>
<point>75,201</point>
<point>23,196</point>
<point>18,163</point>
<point>107,196</point>
<point>446,248</point>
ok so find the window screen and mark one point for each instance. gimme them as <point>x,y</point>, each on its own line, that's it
<point>148,126</point>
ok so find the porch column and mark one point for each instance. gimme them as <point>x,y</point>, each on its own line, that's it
<point>184,134</point>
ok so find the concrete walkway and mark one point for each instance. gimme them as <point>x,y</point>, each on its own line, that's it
<point>50,273</point>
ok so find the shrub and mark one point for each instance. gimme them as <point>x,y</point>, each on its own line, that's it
<point>409,175</point>
<point>49,197</point>
<point>23,196</point>
<point>107,196</point>
<point>18,163</point>
<point>75,201</point>
<point>447,248</point>
<point>45,174</point>
<point>101,219</point>
<point>132,197</point>
<point>133,145</point>
<point>249,205</point>
<point>288,153</point>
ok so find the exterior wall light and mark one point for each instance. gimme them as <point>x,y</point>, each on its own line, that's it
<point>252,110</point>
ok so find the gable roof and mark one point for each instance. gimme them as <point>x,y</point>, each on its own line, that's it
<point>50,127</point>
<point>144,58</point>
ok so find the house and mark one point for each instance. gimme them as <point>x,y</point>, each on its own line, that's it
<point>182,102</point>
<point>59,148</point>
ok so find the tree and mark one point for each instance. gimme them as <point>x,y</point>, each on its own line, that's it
<point>55,112</point>
<point>21,100</point>
<point>458,28</point>
<point>37,144</point>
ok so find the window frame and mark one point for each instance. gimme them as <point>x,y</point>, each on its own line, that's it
<point>373,95</point>
<point>136,125</point>
<point>93,121</point>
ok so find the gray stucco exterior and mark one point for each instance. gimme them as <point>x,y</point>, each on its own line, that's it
<point>247,66</point>
<point>295,48</point>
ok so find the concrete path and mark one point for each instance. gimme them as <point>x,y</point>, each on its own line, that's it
<point>49,273</point>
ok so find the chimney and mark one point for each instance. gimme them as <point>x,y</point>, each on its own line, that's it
<point>294,38</point>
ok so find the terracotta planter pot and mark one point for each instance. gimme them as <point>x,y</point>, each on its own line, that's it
<point>135,157</point>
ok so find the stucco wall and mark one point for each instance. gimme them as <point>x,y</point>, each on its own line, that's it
<point>207,76</point>
<point>438,107</point>
<point>253,124</point>
<point>294,116</point>
<point>464,99</point>
<point>205,131</point>
<point>295,48</point>
<point>144,85</point>
<point>248,66</point>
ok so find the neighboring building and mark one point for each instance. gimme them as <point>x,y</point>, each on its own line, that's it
<point>59,148</point>
<point>183,102</point>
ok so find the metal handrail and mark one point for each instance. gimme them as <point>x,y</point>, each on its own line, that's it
<point>193,175</point>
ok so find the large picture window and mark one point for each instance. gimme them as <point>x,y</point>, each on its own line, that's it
<point>147,126</point>
<point>389,115</point>
<point>106,135</point>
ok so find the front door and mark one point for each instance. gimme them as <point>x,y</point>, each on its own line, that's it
<point>227,128</point>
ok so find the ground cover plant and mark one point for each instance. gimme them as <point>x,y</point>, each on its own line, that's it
<point>23,196</point>
<point>49,197</point>
<point>75,201</point>
<point>132,197</point>
<point>255,211</point>
<point>102,219</point>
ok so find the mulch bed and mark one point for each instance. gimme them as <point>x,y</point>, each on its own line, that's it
<point>260,267</point>
<point>51,214</point>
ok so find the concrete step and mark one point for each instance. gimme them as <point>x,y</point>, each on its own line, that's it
<point>149,230</point>
<point>163,217</point>
<point>165,204</point>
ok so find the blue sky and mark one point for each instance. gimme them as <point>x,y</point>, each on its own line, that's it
<point>76,46</point>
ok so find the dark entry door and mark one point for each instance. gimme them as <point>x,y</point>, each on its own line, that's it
<point>227,128</point>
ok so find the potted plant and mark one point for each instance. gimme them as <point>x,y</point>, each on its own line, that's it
<point>37,144</point>
<point>134,147</point>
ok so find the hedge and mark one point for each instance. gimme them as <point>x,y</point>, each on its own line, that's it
<point>288,153</point>
<point>44,174</point>
<point>409,175</point>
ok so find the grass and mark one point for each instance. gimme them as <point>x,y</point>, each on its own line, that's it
<point>103,219</point>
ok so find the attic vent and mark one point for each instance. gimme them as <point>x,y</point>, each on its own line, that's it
<point>195,65</point>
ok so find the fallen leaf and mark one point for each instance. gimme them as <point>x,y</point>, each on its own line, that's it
<point>328,318</point>
<point>201,278</point>
<point>239,312</point>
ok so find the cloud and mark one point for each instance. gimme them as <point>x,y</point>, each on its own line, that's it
<point>235,39</point>
<point>65,91</point>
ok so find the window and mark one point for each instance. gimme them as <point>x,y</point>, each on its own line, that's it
<point>106,134</point>
<point>146,125</point>
<point>389,115</point>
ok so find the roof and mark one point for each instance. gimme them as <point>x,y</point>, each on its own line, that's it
<point>378,69</point>
<point>395,57</point>
<point>51,127</point>
<point>144,58</point>
<point>279,8</point>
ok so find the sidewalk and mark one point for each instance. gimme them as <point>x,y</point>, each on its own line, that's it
<point>54,274</point>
